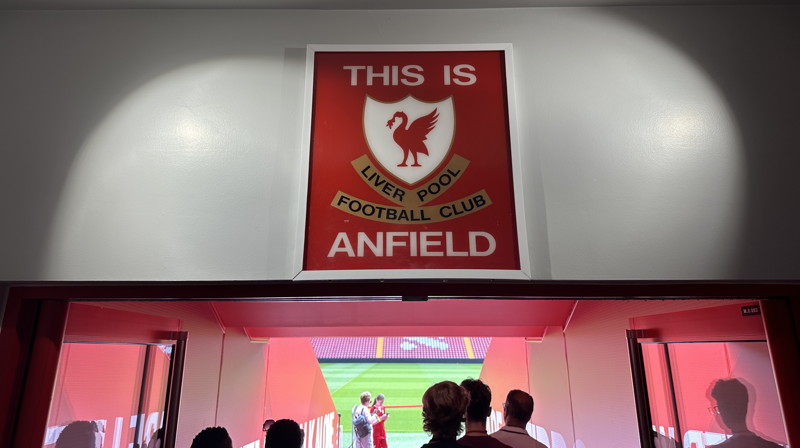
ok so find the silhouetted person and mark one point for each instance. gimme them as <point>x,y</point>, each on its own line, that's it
<point>284,433</point>
<point>478,410</point>
<point>216,437</point>
<point>443,407</point>
<point>265,426</point>
<point>79,434</point>
<point>517,411</point>
<point>157,440</point>
<point>732,399</point>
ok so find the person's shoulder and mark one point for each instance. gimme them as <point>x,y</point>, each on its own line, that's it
<point>764,443</point>
<point>498,443</point>
<point>517,439</point>
<point>449,443</point>
<point>538,444</point>
<point>482,442</point>
<point>493,442</point>
<point>748,441</point>
<point>468,441</point>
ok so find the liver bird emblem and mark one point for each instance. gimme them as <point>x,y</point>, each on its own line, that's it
<point>411,137</point>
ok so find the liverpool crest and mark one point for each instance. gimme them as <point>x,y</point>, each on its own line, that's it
<point>409,138</point>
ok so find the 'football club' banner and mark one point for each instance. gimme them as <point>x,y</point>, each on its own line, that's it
<point>411,164</point>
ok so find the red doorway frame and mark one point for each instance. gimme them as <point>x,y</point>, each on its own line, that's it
<point>33,333</point>
<point>35,316</point>
<point>778,325</point>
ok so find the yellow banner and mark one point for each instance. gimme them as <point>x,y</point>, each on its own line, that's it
<point>410,198</point>
<point>415,215</point>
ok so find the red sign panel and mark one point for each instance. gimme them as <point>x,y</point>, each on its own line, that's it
<point>410,166</point>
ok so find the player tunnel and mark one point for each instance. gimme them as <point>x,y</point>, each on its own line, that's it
<point>599,370</point>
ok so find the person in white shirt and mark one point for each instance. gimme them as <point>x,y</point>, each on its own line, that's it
<point>363,440</point>
<point>517,411</point>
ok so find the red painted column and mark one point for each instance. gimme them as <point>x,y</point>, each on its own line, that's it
<point>296,389</point>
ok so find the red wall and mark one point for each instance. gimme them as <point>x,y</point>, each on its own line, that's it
<point>552,409</point>
<point>505,367</point>
<point>586,372</point>
<point>579,376</point>
<point>240,408</point>
<point>296,389</point>
<point>696,367</point>
<point>224,373</point>
<point>226,382</point>
<point>101,382</point>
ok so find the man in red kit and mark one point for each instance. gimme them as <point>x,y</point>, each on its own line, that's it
<point>378,430</point>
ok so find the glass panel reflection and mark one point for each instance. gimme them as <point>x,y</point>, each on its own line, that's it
<point>723,394</point>
<point>108,395</point>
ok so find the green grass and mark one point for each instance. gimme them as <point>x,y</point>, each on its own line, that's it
<point>403,385</point>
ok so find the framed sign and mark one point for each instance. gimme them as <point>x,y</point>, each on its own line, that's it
<point>412,165</point>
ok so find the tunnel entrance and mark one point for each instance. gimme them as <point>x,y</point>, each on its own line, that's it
<point>227,351</point>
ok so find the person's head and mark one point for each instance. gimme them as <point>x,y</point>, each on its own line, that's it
<point>443,406</point>
<point>480,400</point>
<point>157,439</point>
<point>518,408</point>
<point>731,397</point>
<point>379,400</point>
<point>365,397</point>
<point>79,434</point>
<point>267,423</point>
<point>216,437</point>
<point>284,433</point>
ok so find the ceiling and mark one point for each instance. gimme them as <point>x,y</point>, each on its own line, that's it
<point>478,317</point>
<point>346,4</point>
<point>262,319</point>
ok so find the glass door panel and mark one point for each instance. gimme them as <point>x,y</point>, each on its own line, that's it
<point>716,392</point>
<point>660,394</point>
<point>116,393</point>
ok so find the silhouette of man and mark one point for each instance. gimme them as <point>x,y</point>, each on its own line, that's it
<point>216,437</point>
<point>517,411</point>
<point>731,397</point>
<point>478,410</point>
<point>265,427</point>
<point>79,434</point>
<point>443,407</point>
<point>157,439</point>
<point>284,433</point>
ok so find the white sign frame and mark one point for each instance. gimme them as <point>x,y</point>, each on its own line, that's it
<point>523,273</point>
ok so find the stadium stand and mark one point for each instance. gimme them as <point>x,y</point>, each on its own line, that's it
<point>480,345</point>
<point>344,348</point>
<point>394,349</point>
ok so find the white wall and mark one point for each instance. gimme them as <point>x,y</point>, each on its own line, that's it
<point>658,142</point>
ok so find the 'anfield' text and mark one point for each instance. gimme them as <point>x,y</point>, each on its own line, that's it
<point>414,244</point>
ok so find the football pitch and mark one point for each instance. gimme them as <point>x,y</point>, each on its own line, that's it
<point>403,385</point>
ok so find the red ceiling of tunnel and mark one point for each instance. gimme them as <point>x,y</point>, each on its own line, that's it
<point>479,317</point>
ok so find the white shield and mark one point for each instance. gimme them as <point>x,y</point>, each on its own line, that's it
<point>382,140</point>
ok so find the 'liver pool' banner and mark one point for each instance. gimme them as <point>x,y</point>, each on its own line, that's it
<point>411,164</point>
